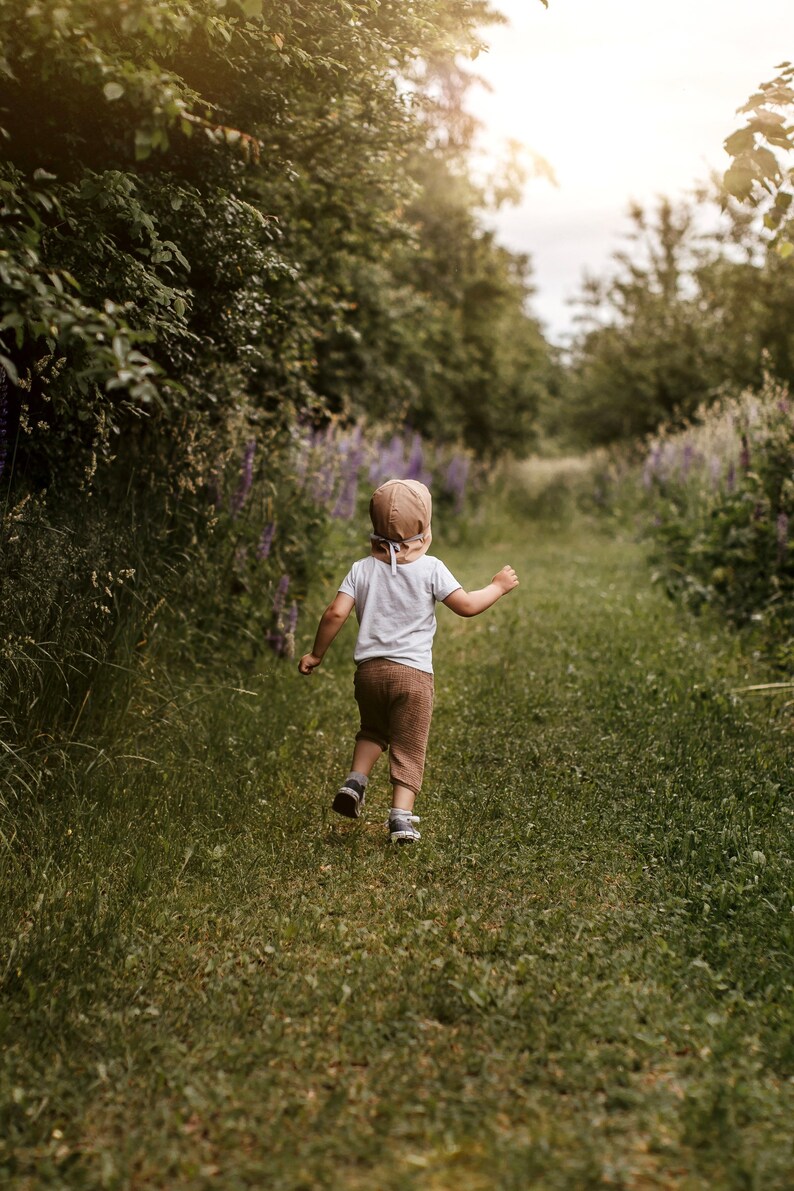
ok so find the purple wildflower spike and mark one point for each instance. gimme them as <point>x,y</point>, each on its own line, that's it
<point>715,470</point>
<point>345,507</point>
<point>455,479</point>
<point>653,465</point>
<point>781,533</point>
<point>266,541</point>
<point>276,641</point>
<point>744,455</point>
<point>281,595</point>
<point>246,478</point>
<point>323,484</point>
<point>414,464</point>
<point>302,461</point>
<point>3,418</point>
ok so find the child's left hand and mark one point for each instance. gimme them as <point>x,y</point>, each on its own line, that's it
<point>506,579</point>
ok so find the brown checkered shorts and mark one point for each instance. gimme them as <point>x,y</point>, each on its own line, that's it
<point>396,705</point>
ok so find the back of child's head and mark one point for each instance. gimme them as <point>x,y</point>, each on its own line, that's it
<point>401,511</point>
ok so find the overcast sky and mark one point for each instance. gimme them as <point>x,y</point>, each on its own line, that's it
<point>626,99</point>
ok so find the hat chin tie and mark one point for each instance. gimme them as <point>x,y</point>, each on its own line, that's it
<point>395,547</point>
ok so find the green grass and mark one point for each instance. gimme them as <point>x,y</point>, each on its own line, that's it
<point>581,977</point>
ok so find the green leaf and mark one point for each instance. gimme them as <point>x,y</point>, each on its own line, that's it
<point>143,144</point>
<point>113,91</point>
<point>738,181</point>
<point>13,375</point>
<point>739,142</point>
<point>765,163</point>
<point>784,249</point>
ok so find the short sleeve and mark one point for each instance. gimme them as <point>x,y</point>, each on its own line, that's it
<point>444,582</point>
<point>348,584</point>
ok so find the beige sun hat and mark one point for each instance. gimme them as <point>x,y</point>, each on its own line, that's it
<point>401,511</point>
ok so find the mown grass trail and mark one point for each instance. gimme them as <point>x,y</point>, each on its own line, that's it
<point>581,977</point>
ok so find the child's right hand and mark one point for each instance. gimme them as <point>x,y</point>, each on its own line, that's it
<point>506,579</point>
<point>308,662</point>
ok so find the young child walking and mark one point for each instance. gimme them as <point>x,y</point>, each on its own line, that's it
<point>394,592</point>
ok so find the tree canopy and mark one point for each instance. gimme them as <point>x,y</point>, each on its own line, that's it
<point>216,206</point>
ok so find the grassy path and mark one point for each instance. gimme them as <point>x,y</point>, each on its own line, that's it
<point>581,978</point>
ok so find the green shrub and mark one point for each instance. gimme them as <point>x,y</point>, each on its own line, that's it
<point>721,501</point>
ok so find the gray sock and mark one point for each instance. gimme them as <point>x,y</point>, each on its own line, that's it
<point>361,778</point>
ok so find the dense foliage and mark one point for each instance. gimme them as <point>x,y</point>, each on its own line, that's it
<point>696,306</point>
<point>209,206</point>
<point>720,495</point>
<point>225,225</point>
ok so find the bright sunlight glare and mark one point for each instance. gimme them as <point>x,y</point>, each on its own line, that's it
<point>626,101</point>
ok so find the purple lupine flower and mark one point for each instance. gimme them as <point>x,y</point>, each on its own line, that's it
<point>652,465</point>
<point>323,484</point>
<point>276,641</point>
<point>345,506</point>
<point>730,477</point>
<point>3,418</point>
<point>455,479</point>
<point>302,461</point>
<point>383,464</point>
<point>393,458</point>
<point>715,471</point>
<point>415,461</point>
<point>281,595</point>
<point>744,455</point>
<point>214,486</point>
<point>687,458</point>
<point>246,478</point>
<point>781,533</point>
<point>266,541</point>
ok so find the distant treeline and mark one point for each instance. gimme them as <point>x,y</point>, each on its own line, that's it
<point>696,307</point>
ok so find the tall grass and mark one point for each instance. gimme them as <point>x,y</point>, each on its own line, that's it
<point>580,977</point>
<point>116,596</point>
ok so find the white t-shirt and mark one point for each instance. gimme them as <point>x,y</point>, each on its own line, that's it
<point>397,612</point>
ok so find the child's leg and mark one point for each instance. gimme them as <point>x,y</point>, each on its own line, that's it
<point>402,798</point>
<point>409,724</point>
<point>365,754</point>
<point>370,743</point>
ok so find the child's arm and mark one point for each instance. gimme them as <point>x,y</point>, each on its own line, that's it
<point>472,603</point>
<point>331,622</point>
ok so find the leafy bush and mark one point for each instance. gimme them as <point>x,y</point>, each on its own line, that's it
<point>721,495</point>
<point>104,609</point>
<point>227,228</point>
